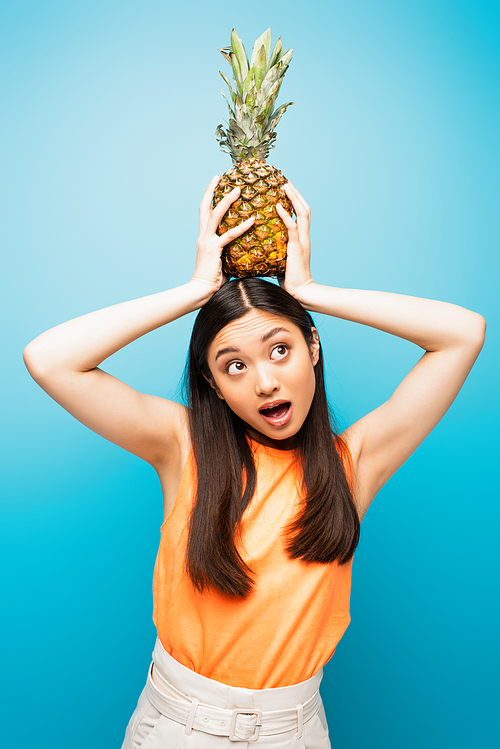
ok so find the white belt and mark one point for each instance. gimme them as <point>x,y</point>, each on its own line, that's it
<point>240,724</point>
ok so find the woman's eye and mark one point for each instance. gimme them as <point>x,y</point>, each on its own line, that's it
<point>235,367</point>
<point>279,352</point>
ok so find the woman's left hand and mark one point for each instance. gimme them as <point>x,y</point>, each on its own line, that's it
<point>298,272</point>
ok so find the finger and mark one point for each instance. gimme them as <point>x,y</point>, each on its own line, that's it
<point>221,208</point>
<point>296,198</point>
<point>206,202</point>
<point>286,218</point>
<point>237,231</point>
<point>298,202</point>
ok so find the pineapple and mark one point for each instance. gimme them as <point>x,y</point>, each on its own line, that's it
<point>260,251</point>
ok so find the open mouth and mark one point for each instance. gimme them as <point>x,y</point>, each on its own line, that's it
<point>277,415</point>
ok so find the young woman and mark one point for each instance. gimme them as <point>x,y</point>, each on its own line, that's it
<point>262,499</point>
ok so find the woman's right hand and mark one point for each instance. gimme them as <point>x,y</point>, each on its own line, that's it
<point>209,246</point>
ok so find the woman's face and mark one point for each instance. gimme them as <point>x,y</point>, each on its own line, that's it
<point>264,369</point>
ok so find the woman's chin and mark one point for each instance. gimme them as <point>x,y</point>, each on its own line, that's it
<point>284,442</point>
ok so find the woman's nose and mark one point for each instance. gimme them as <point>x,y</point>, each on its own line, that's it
<point>266,382</point>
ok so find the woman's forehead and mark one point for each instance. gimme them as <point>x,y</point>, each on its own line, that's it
<point>254,324</point>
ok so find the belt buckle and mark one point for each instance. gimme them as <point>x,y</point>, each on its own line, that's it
<point>245,711</point>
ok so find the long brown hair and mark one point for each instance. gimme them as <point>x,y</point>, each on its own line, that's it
<point>328,528</point>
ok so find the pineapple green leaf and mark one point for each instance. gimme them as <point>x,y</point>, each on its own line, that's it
<point>260,67</point>
<point>250,99</point>
<point>239,51</point>
<point>263,41</point>
<point>231,111</point>
<point>277,115</point>
<point>237,73</point>
<point>269,82</point>
<point>222,136</point>
<point>276,54</point>
<point>259,101</point>
<point>271,91</point>
<point>266,107</point>
<point>251,128</point>
<point>286,59</point>
<point>241,114</point>
<point>233,95</point>
<point>236,130</point>
<point>248,83</point>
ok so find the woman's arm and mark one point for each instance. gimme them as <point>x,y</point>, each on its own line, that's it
<point>451,337</point>
<point>64,360</point>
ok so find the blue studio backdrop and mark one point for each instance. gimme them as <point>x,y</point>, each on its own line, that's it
<point>108,117</point>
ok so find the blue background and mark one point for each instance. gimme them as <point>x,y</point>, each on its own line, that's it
<point>108,118</point>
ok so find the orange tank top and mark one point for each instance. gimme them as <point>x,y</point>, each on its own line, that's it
<point>289,625</point>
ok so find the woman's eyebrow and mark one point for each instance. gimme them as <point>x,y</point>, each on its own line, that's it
<point>228,350</point>
<point>272,332</point>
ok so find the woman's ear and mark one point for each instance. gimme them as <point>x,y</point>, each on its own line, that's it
<point>314,346</point>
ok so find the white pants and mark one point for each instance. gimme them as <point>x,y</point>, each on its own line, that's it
<point>179,709</point>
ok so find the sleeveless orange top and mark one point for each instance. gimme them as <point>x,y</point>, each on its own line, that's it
<point>289,625</point>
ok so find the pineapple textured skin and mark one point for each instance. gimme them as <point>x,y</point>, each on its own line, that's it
<point>261,250</point>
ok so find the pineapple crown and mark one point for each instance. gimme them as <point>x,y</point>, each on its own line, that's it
<point>252,120</point>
